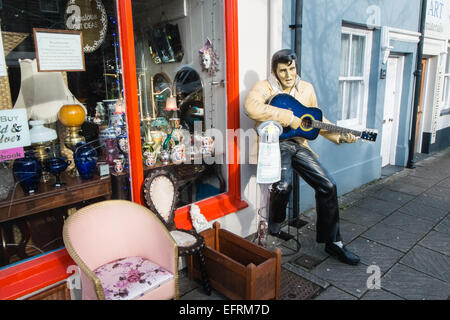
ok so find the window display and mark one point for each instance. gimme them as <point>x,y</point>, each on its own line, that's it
<point>64,68</point>
<point>181,100</point>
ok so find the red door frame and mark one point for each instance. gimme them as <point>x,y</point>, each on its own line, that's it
<point>39,272</point>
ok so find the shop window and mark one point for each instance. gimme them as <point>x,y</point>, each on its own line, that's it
<point>49,6</point>
<point>446,92</point>
<point>356,45</point>
<point>63,176</point>
<point>176,64</point>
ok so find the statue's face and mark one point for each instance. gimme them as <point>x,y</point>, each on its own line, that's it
<point>287,74</point>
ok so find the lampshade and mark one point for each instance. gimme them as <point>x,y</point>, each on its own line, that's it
<point>171,104</point>
<point>39,133</point>
<point>42,93</point>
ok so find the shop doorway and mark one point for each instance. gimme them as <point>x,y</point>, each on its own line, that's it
<point>392,101</point>
<point>418,141</point>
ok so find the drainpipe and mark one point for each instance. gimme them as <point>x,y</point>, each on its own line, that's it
<point>418,75</point>
<point>297,26</point>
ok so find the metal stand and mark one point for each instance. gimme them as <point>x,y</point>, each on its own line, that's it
<point>294,219</point>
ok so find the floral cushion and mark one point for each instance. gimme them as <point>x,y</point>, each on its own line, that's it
<point>130,278</point>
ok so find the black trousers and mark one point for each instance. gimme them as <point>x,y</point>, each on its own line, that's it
<point>302,160</point>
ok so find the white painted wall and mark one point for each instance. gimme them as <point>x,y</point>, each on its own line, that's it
<point>255,50</point>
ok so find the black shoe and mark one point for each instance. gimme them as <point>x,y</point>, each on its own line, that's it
<point>342,254</point>
<point>282,235</point>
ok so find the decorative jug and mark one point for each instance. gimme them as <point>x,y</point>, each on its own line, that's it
<point>85,158</point>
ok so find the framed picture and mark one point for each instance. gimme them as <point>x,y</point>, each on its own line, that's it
<point>59,50</point>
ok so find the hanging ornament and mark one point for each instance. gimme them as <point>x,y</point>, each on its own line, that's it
<point>209,60</point>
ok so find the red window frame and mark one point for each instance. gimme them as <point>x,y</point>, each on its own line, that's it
<point>39,272</point>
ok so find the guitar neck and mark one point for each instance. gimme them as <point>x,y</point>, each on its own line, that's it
<point>334,128</point>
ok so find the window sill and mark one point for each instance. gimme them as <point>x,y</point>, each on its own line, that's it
<point>212,208</point>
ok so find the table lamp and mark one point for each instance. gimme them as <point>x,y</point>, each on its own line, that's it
<point>72,117</point>
<point>171,105</point>
<point>41,139</point>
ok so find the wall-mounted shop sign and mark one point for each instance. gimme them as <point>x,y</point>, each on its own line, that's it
<point>438,18</point>
<point>59,50</point>
<point>14,131</point>
<point>88,16</point>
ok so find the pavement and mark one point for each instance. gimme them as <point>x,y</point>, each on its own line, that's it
<point>399,225</point>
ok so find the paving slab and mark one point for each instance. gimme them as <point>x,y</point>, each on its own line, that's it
<point>421,210</point>
<point>362,216</point>
<point>415,181</point>
<point>350,231</point>
<point>309,246</point>
<point>351,279</point>
<point>372,253</point>
<point>439,191</point>
<point>377,205</point>
<point>409,223</point>
<point>433,201</point>
<point>444,225</point>
<point>396,197</point>
<point>333,293</point>
<point>437,241</point>
<point>392,237</point>
<point>407,188</point>
<point>380,294</point>
<point>427,261</point>
<point>410,284</point>
<point>445,183</point>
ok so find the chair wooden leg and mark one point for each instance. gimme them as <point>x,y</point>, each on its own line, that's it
<point>205,279</point>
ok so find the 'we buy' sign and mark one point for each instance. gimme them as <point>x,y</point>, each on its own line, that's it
<point>14,132</point>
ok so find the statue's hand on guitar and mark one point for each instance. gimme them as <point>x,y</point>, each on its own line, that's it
<point>296,122</point>
<point>348,138</point>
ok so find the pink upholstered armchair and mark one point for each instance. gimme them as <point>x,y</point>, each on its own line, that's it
<point>124,252</point>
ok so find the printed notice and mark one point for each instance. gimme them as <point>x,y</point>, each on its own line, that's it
<point>59,50</point>
<point>14,131</point>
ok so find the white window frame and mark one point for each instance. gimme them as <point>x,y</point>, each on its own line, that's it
<point>446,79</point>
<point>360,120</point>
<point>50,11</point>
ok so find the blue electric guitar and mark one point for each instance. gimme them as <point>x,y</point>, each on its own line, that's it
<point>311,120</point>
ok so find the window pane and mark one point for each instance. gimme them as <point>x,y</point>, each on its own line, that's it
<point>350,98</point>
<point>446,97</point>
<point>345,48</point>
<point>167,62</point>
<point>357,59</point>
<point>447,66</point>
<point>354,99</point>
<point>33,224</point>
<point>340,99</point>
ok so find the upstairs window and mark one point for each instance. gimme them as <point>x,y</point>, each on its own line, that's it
<point>356,45</point>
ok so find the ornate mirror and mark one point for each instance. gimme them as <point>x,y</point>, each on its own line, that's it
<point>190,98</point>
<point>165,43</point>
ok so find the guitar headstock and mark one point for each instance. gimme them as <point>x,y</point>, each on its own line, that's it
<point>369,135</point>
